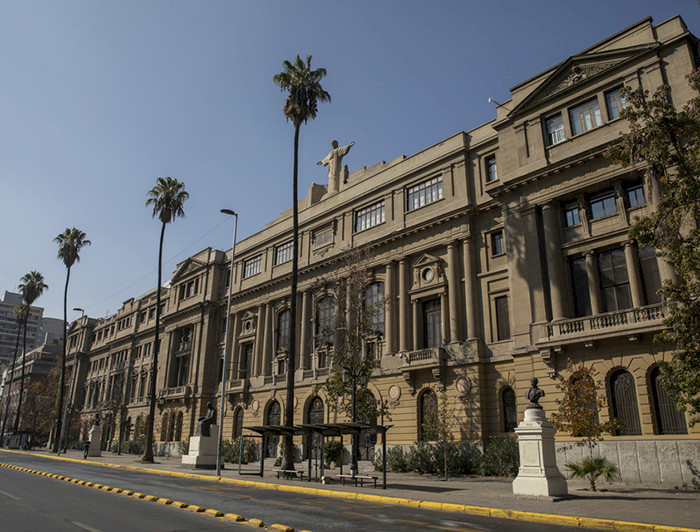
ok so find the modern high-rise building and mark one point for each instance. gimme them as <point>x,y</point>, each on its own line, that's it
<point>9,327</point>
<point>495,255</point>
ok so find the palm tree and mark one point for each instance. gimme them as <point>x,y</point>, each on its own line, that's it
<point>31,286</point>
<point>305,91</point>
<point>593,468</point>
<point>167,198</point>
<point>70,242</point>
<point>21,312</point>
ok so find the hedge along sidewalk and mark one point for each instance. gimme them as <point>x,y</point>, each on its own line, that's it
<point>620,507</point>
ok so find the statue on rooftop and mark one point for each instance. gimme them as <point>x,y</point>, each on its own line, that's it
<point>334,162</point>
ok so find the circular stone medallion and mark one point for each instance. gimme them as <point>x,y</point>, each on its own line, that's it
<point>463,385</point>
<point>255,406</point>
<point>394,392</point>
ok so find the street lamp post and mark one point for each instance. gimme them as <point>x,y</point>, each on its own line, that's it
<point>64,430</point>
<point>225,362</point>
<point>355,376</point>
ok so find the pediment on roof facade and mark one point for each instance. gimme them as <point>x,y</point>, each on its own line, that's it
<point>186,268</point>
<point>577,70</point>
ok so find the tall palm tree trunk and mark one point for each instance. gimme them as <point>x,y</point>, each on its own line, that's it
<point>148,454</point>
<point>62,379</point>
<point>21,381</point>
<point>288,461</point>
<point>9,389</point>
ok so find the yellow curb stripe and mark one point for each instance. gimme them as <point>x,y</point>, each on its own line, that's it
<point>215,513</point>
<point>164,501</point>
<point>194,508</point>
<point>178,504</point>
<point>255,522</point>
<point>283,528</point>
<point>234,517</point>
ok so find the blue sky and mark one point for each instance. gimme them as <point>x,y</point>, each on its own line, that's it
<point>99,98</point>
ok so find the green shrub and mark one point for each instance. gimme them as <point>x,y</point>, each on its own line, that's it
<point>230,450</point>
<point>135,446</point>
<point>501,457</point>
<point>421,458</point>
<point>185,446</point>
<point>332,452</point>
<point>395,460</point>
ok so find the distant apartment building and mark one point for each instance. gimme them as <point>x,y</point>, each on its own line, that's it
<point>497,255</point>
<point>9,327</point>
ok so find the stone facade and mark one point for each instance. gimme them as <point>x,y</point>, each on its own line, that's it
<point>500,252</point>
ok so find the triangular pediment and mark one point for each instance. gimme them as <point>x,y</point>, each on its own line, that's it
<point>186,268</point>
<point>426,259</point>
<point>576,71</point>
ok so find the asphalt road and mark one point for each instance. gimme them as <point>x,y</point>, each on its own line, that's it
<point>104,511</point>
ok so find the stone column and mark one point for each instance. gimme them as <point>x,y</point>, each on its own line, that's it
<point>633,274</point>
<point>403,306</point>
<point>470,289</point>
<point>445,317</point>
<point>453,290</point>
<point>305,326</point>
<point>415,312</point>
<point>389,325</point>
<point>555,264</point>
<point>267,341</point>
<point>593,282</point>
<point>258,353</point>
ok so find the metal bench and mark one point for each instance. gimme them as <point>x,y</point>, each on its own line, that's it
<point>355,478</point>
<point>289,473</point>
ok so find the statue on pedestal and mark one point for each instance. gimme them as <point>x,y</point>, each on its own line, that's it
<point>534,394</point>
<point>205,422</point>
<point>334,162</point>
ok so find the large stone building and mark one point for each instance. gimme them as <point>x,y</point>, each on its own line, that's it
<point>499,253</point>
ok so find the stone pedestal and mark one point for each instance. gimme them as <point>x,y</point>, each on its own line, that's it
<point>538,475</point>
<point>95,441</point>
<point>202,452</point>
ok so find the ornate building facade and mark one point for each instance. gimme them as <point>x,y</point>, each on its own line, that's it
<point>498,253</point>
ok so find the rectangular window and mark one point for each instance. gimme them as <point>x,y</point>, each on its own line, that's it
<point>323,237</point>
<point>424,193</point>
<point>585,117</point>
<point>491,169</point>
<point>614,282</point>
<point>252,266</point>
<point>649,267</point>
<point>502,318</point>
<point>579,279</point>
<point>369,216</point>
<point>151,313</point>
<point>189,288</point>
<point>572,214</point>
<point>283,252</point>
<point>432,323</point>
<point>555,129</point>
<point>635,196</point>
<point>497,244</point>
<point>616,102</point>
<point>604,205</point>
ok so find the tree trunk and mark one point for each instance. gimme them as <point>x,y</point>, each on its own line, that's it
<point>288,458</point>
<point>148,454</point>
<point>62,379</point>
<point>9,388</point>
<point>21,381</point>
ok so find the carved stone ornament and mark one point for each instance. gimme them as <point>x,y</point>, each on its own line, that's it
<point>255,406</point>
<point>394,393</point>
<point>576,74</point>
<point>463,385</point>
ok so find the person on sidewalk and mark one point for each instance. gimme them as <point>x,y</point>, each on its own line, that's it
<point>86,449</point>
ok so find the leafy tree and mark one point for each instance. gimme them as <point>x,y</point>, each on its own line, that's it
<point>167,199</point>
<point>41,402</point>
<point>70,243</point>
<point>31,286</point>
<point>580,407</point>
<point>21,313</point>
<point>305,91</point>
<point>438,427</point>
<point>666,142</point>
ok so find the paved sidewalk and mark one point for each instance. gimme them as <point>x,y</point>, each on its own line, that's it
<point>656,505</point>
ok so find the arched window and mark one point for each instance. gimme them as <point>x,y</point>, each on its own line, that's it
<point>624,403</point>
<point>283,320</point>
<point>178,427</point>
<point>315,416</point>
<point>325,317</point>
<point>164,427</point>
<point>274,417</point>
<point>668,419</point>
<point>510,413</point>
<point>367,413</point>
<point>171,427</point>
<point>374,306</point>
<point>238,422</point>
<point>427,414</point>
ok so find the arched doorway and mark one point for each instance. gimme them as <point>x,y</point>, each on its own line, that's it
<point>274,417</point>
<point>315,415</point>
<point>366,413</point>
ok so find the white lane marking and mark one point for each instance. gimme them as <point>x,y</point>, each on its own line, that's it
<point>84,526</point>
<point>10,495</point>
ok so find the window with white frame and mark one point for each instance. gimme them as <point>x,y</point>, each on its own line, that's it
<point>555,129</point>
<point>491,169</point>
<point>424,193</point>
<point>616,102</point>
<point>370,216</point>
<point>284,253</point>
<point>585,116</point>
<point>252,266</point>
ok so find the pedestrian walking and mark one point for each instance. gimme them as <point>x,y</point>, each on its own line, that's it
<point>86,448</point>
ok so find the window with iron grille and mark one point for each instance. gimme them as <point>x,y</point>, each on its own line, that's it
<point>369,216</point>
<point>283,252</point>
<point>510,413</point>
<point>424,193</point>
<point>624,403</point>
<point>668,419</point>
<point>252,266</point>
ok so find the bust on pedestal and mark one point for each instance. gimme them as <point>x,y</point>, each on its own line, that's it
<point>538,475</point>
<point>203,445</point>
<point>95,438</point>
